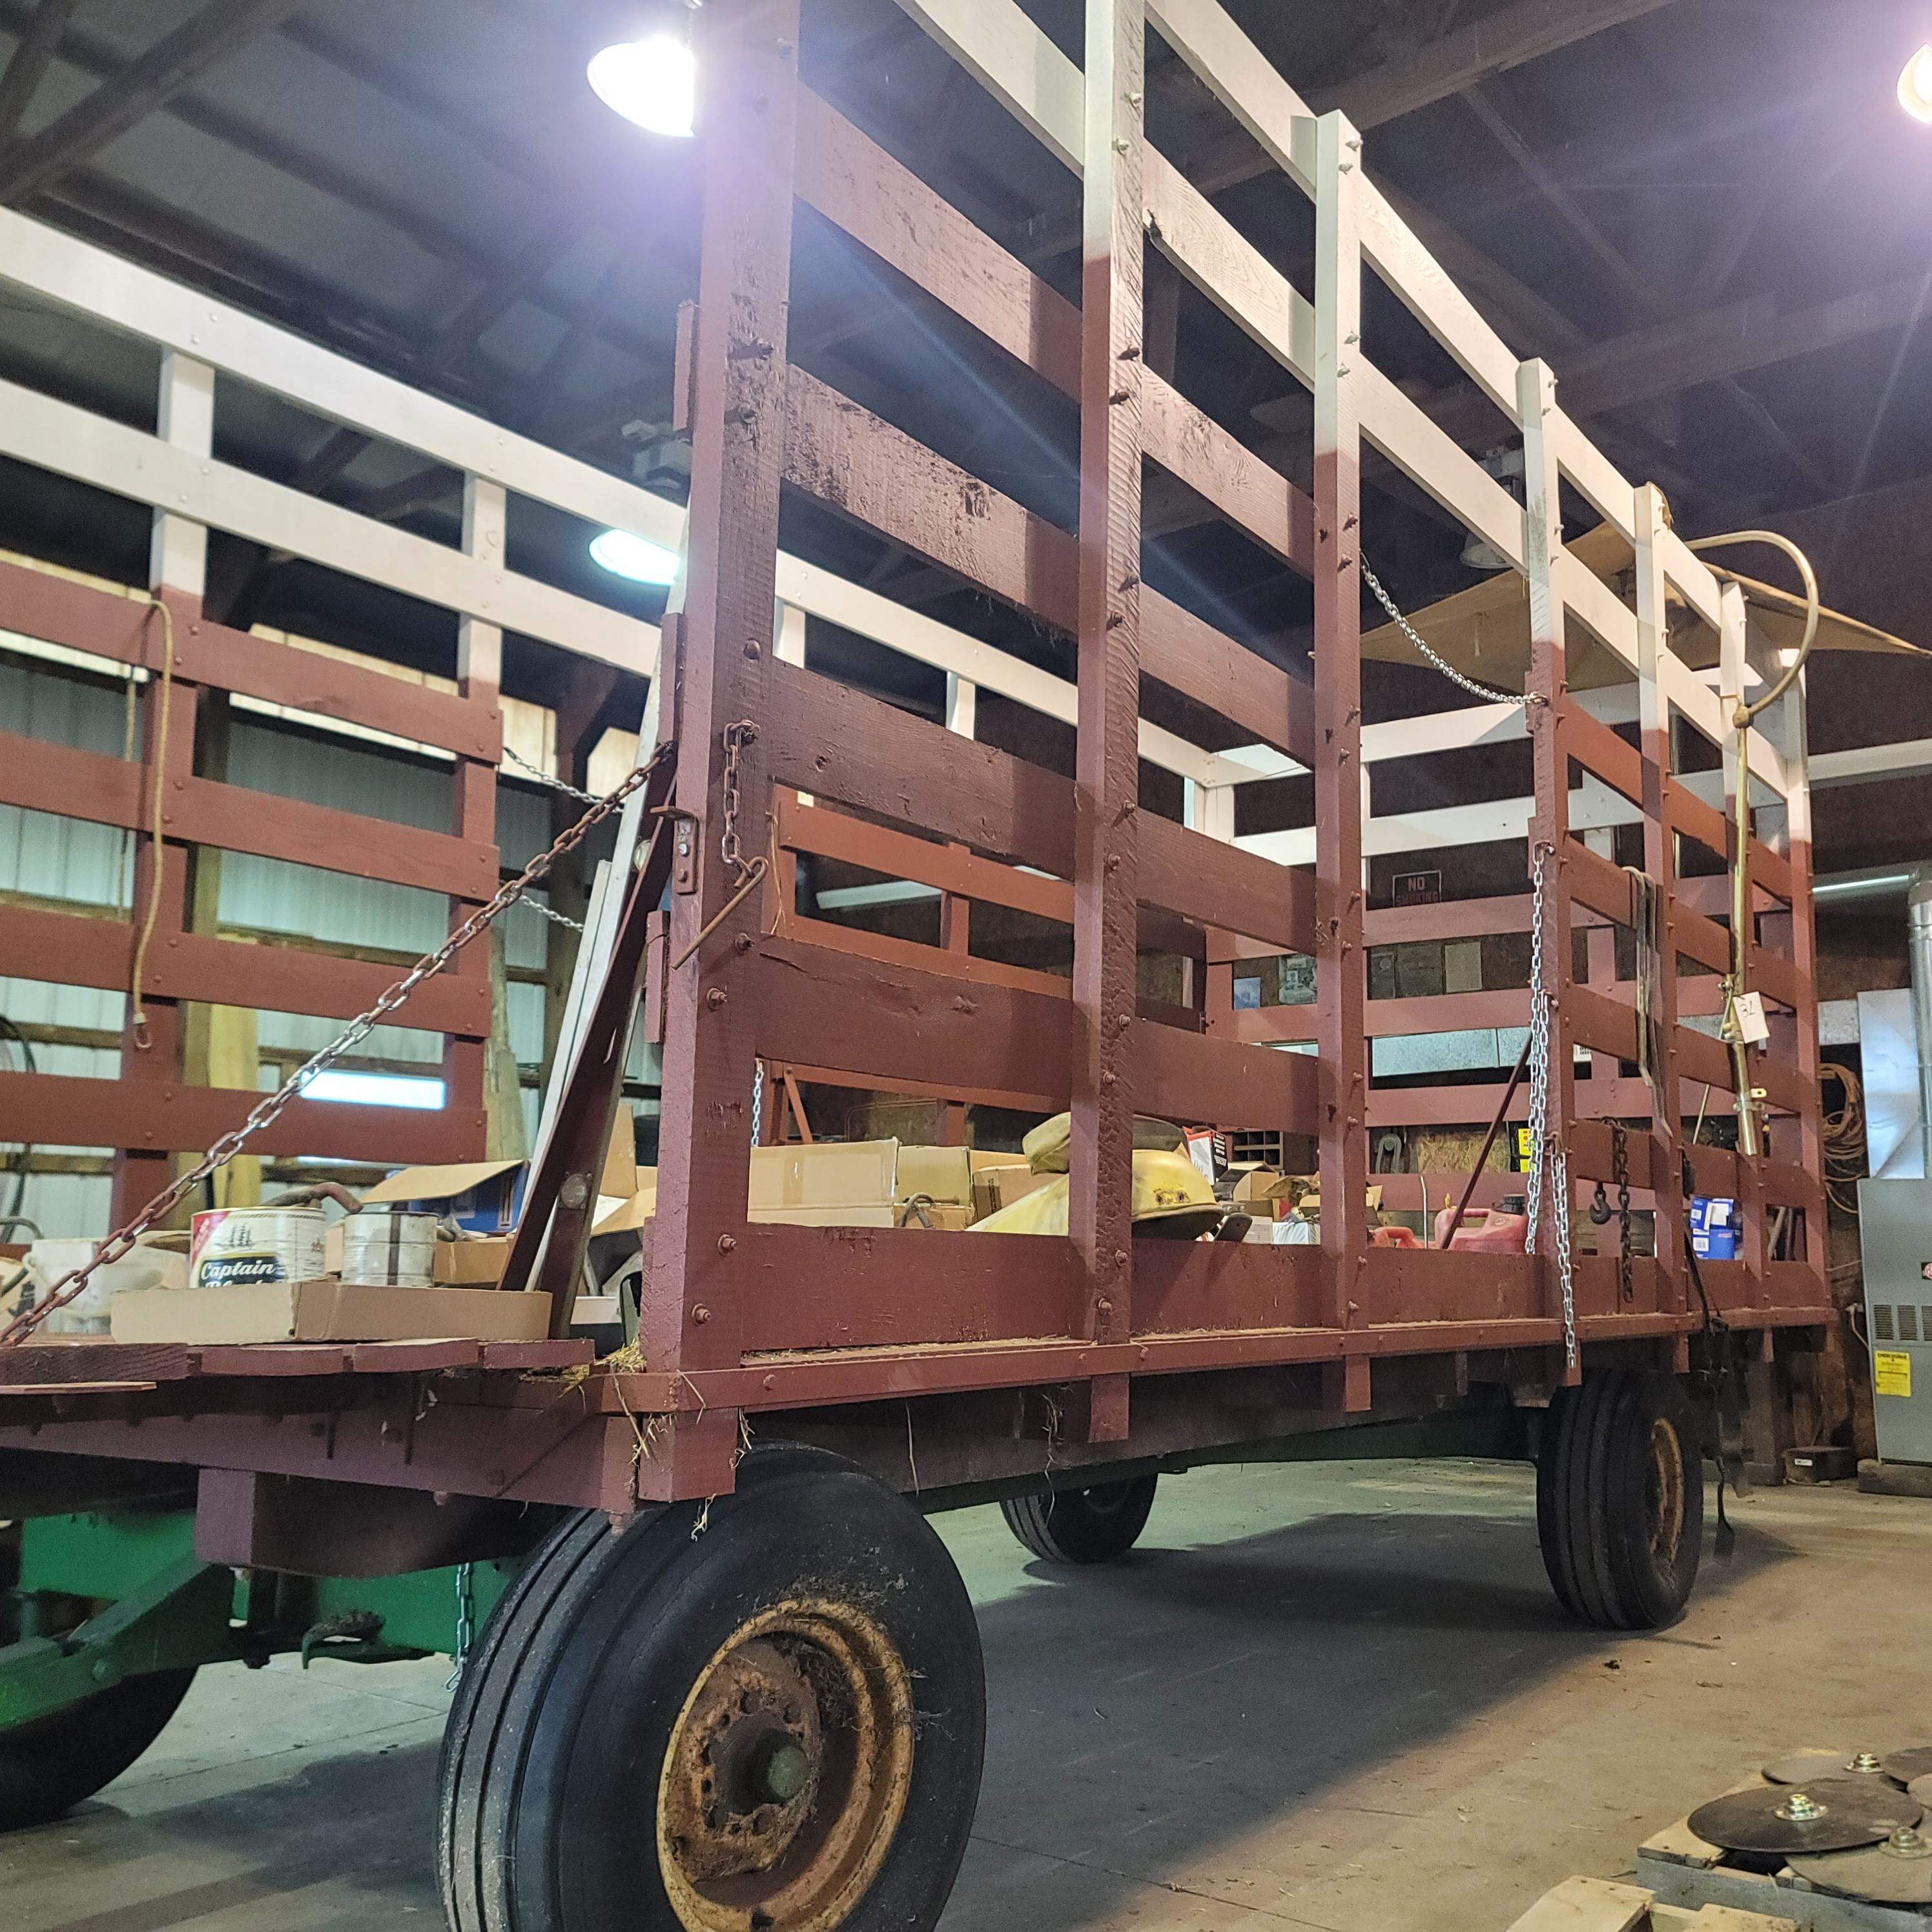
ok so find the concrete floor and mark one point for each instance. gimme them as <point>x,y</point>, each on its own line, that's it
<point>1334,1696</point>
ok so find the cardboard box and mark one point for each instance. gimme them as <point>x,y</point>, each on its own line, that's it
<point>996,1187</point>
<point>485,1197</point>
<point>1259,1187</point>
<point>854,1214</point>
<point>940,1173</point>
<point>327,1311</point>
<point>826,1174</point>
<point>476,1264</point>
<point>978,1158</point>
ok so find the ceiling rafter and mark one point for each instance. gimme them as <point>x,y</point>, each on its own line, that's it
<point>425,230</point>
<point>174,62</point>
<point>33,55</point>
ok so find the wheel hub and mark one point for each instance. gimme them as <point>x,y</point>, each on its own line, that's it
<point>787,1773</point>
<point>1664,1492</point>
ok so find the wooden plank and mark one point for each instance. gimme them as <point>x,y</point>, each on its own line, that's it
<point>165,1116</point>
<point>894,952</point>
<point>846,1287</point>
<point>77,951</point>
<point>829,739</point>
<point>834,835</point>
<point>1598,750</point>
<point>40,776</point>
<point>1221,886</point>
<point>1588,1905</point>
<point>83,618</point>
<point>836,1009</point>
<point>1204,1079</point>
<point>1193,657</point>
<point>855,463</point>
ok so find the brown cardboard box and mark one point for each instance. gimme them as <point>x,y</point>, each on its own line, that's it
<point>477,1264</point>
<point>940,1173</point>
<point>1259,1186</point>
<point>996,1187</point>
<point>826,1174</point>
<point>327,1311</point>
<point>854,1214</point>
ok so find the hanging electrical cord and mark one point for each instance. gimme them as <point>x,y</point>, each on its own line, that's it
<point>1843,1136</point>
<point>137,1011</point>
<point>1742,718</point>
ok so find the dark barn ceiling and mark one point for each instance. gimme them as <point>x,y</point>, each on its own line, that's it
<point>1710,216</point>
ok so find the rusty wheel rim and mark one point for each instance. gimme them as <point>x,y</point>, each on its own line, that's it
<point>1664,1486</point>
<point>787,1773</point>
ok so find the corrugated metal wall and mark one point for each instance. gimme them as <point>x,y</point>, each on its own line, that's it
<point>68,861</point>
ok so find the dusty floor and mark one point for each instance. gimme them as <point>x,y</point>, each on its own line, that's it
<point>1338,1697</point>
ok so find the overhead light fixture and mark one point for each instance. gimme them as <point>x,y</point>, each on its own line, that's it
<point>635,557</point>
<point>1915,85</point>
<point>653,82</point>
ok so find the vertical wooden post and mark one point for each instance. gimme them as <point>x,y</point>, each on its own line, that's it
<point>1731,687</point>
<point>956,909</point>
<point>1340,954</point>
<point>1660,861</point>
<point>693,1313</point>
<point>178,574</point>
<point>479,675</point>
<point>1549,825</point>
<point>1106,833</point>
<point>1798,1139</point>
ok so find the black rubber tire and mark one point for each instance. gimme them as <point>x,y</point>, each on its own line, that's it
<point>1620,1499</point>
<point>47,1767</point>
<point>1091,1525</point>
<point>548,1784</point>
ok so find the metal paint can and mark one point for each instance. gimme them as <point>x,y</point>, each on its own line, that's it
<point>253,1247</point>
<point>388,1247</point>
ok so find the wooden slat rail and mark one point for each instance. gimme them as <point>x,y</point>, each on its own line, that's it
<point>924,1031</point>
<point>227,972</point>
<point>55,1110</point>
<point>82,617</point>
<point>849,459</point>
<point>40,776</point>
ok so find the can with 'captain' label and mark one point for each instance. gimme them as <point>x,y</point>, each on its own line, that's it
<point>252,1247</point>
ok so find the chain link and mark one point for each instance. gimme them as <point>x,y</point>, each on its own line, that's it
<point>1620,1174</point>
<point>555,917</point>
<point>268,1110</point>
<point>1547,1148</point>
<point>745,873</point>
<point>543,777</point>
<point>466,1623</point>
<point>1441,664</point>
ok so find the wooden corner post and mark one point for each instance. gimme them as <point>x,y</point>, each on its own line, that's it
<point>1549,826</point>
<point>1660,861</point>
<point>693,1316</point>
<point>1106,847</point>
<point>1340,959</point>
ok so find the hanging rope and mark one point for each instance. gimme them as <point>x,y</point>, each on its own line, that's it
<point>137,1011</point>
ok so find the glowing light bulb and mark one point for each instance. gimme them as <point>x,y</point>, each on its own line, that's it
<point>1915,85</point>
<point>653,82</point>
<point>637,558</point>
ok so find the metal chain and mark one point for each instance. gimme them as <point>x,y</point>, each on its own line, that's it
<point>1441,664</point>
<point>1547,1147</point>
<point>545,778</point>
<point>269,1109</point>
<point>758,1102</point>
<point>555,917</point>
<point>745,873</point>
<point>466,1623</point>
<point>1620,1174</point>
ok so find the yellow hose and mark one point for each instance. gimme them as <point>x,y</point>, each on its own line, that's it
<point>1741,720</point>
